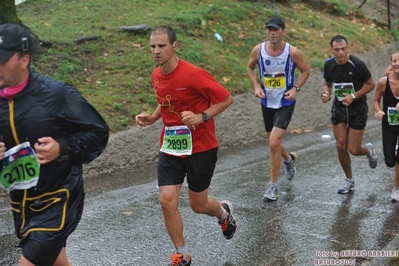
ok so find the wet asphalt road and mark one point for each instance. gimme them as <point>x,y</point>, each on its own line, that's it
<point>123,225</point>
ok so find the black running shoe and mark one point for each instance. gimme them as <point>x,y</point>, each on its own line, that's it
<point>229,224</point>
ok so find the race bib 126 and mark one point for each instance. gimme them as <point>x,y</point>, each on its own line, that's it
<point>274,81</point>
<point>20,168</point>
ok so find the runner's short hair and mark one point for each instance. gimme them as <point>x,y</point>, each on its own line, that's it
<point>338,38</point>
<point>165,29</point>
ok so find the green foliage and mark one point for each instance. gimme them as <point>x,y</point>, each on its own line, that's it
<point>113,72</point>
<point>395,27</point>
<point>117,106</point>
<point>318,63</point>
<point>394,261</point>
<point>123,122</point>
<point>194,53</point>
<point>340,7</point>
<point>395,34</point>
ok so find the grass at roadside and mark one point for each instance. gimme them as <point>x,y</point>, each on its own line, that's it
<point>113,72</point>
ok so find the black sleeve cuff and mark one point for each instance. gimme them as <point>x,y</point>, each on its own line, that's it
<point>64,148</point>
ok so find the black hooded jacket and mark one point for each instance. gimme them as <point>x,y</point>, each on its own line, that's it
<point>51,210</point>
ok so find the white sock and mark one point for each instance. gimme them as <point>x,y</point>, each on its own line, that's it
<point>223,217</point>
<point>182,250</point>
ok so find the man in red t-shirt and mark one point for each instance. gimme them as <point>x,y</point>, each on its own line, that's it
<point>189,98</point>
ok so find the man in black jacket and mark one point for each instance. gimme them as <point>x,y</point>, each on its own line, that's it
<point>47,131</point>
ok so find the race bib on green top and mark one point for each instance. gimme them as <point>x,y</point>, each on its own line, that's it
<point>20,168</point>
<point>340,88</point>
<point>274,81</point>
<point>393,116</point>
<point>177,141</point>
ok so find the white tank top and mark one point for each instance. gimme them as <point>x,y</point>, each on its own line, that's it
<point>276,76</point>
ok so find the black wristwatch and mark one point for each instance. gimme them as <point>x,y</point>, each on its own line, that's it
<point>205,117</point>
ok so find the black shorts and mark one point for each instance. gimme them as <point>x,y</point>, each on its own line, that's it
<point>277,117</point>
<point>354,116</point>
<point>41,253</point>
<point>198,168</point>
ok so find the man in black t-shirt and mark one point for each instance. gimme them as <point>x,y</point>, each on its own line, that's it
<point>348,78</point>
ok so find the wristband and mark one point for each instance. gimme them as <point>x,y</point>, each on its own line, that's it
<point>353,96</point>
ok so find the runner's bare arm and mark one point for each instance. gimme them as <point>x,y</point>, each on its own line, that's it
<point>377,98</point>
<point>190,118</point>
<point>145,119</point>
<point>326,95</point>
<point>253,61</point>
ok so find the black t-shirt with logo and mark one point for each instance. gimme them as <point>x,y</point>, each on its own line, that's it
<point>353,71</point>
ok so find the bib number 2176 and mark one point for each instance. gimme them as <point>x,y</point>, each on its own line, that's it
<point>20,168</point>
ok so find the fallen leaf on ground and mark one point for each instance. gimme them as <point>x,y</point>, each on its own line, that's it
<point>296,130</point>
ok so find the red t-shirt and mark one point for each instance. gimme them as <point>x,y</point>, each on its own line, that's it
<point>188,88</point>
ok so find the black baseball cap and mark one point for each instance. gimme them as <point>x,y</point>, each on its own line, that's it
<point>275,22</point>
<point>13,38</point>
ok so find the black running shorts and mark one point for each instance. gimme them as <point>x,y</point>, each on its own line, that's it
<point>43,254</point>
<point>354,116</point>
<point>197,167</point>
<point>277,117</point>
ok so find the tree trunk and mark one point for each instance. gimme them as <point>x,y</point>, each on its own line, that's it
<point>8,12</point>
<point>362,4</point>
<point>389,14</point>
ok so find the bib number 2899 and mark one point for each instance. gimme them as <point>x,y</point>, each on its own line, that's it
<point>177,140</point>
